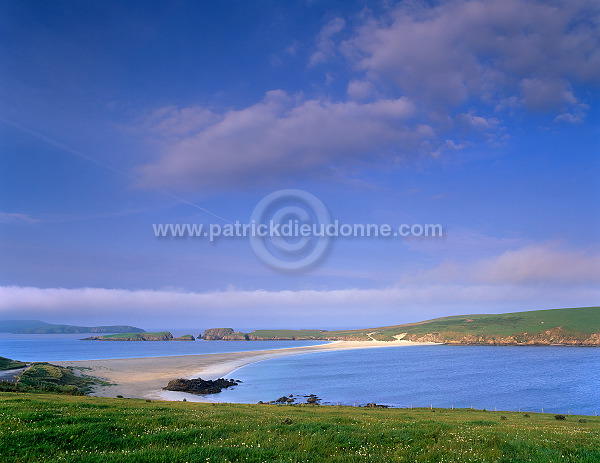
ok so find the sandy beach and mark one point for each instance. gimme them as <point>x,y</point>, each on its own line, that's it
<point>145,377</point>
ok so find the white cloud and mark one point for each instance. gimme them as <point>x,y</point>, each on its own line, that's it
<point>546,94</point>
<point>171,121</point>
<point>542,264</point>
<point>360,90</point>
<point>279,137</point>
<point>256,309</point>
<point>461,51</point>
<point>577,116</point>
<point>325,43</point>
<point>17,218</point>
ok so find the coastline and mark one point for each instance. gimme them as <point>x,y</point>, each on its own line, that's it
<point>144,378</point>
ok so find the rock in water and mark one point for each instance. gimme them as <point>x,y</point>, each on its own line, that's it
<point>199,385</point>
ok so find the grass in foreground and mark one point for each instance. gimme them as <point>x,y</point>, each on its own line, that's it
<point>41,428</point>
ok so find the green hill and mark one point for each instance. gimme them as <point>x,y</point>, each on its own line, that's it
<point>12,326</point>
<point>572,326</point>
<point>39,327</point>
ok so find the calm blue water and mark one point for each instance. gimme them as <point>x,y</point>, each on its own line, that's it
<point>557,379</point>
<point>57,347</point>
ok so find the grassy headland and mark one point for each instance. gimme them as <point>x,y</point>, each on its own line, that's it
<point>158,336</point>
<point>573,326</point>
<point>45,428</point>
<point>45,377</point>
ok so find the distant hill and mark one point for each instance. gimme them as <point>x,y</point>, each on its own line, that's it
<point>12,326</point>
<point>39,327</point>
<point>573,326</point>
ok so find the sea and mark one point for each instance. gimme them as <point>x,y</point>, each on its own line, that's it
<point>550,379</point>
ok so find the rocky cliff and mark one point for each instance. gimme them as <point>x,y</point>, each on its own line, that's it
<point>185,337</point>
<point>223,334</point>
<point>551,337</point>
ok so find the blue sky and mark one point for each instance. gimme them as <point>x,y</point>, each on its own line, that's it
<point>480,116</point>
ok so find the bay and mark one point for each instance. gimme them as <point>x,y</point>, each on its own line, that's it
<point>556,379</point>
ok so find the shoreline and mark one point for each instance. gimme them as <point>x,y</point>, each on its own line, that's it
<point>144,377</point>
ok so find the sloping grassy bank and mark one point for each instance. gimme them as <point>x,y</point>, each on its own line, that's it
<point>9,364</point>
<point>45,377</point>
<point>41,428</point>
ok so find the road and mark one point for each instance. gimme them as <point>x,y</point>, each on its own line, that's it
<point>11,376</point>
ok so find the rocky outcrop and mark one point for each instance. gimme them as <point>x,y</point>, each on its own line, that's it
<point>162,336</point>
<point>236,337</point>
<point>551,337</point>
<point>216,334</point>
<point>199,385</point>
<point>223,334</point>
<point>185,337</point>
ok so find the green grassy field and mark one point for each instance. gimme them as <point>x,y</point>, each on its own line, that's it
<point>576,322</point>
<point>53,428</point>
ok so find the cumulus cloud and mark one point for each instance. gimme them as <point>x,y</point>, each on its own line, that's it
<point>576,116</point>
<point>464,51</point>
<point>326,45</point>
<point>360,90</point>
<point>171,121</point>
<point>544,95</point>
<point>280,136</point>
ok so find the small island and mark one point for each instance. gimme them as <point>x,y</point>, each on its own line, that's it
<point>158,336</point>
